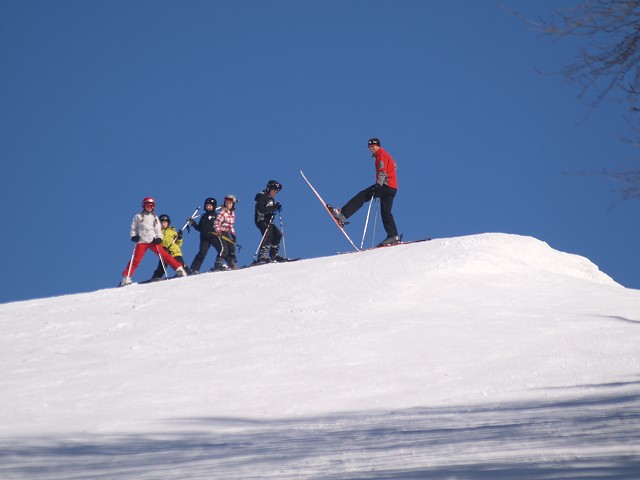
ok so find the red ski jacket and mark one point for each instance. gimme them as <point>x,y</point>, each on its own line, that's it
<point>385,169</point>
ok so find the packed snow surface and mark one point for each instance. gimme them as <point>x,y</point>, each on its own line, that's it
<point>487,356</point>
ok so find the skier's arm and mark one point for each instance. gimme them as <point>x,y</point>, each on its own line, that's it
<point>197,226</point>
<point>157,229</point>
<point>168,237</point>
<point>134,229</point>
<point>382,173</point>
<point>262,204</point>
<point>217,226</point>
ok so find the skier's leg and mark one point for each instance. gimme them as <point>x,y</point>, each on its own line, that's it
<point>217,244</point>
<point>138,253</point>
<point>222,255</point>
<point>166,257</point>
<point>181,261</point>
<point>353,205</point>
<point>263,249</point>
<point>202,253</point>
<point>231,256</point>
<point>386,204</point>
<point>276,236</point>
<point>266,230</point>
<point>159,271</point>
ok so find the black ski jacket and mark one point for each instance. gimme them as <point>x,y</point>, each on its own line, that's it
<point>206,225</point>
<point>265,207</point>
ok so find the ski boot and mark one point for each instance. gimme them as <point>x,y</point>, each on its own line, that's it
<point>219,266</point>
<point>273,255</point>
<point>263,256</point>
<point>390,240</point>
<point>338,215</point>
<point>181,272</point>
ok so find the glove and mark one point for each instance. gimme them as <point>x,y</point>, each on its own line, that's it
<point>157,241</point>
<point>232,236</point>
<point>135,238</point>
<point>277,207</point>
<point>180,235</point>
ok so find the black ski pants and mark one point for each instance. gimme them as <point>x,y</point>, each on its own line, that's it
<point>386,194</point>
<point>273,235</point>
<point>227,250</point>
<point>205,244</point>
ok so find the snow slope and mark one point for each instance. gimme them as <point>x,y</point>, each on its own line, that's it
<point>488,356</point>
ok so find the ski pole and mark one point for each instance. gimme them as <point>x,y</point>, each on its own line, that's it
<point>255,255</point>
<point>193,215</point>
<point>158,247</point>
<point>364,233</point>
<point>131,261</point>
<point>284,245</point>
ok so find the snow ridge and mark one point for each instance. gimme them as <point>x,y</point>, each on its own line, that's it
<point>366,358</point>
<point>498,253</point>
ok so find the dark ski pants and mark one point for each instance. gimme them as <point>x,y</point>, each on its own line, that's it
<point>205,244</point>
<point>227,250</point>
<point>160,270</point>
<point>386,194</point>
<point>273,235</point>
<point>139,251</point>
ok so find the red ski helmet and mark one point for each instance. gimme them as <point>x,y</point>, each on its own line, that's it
<point>148,200</point>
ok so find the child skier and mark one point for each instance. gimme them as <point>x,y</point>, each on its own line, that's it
<point>227,235</point>
<point>266,208</point>
<point>207,230</point>
<point>172,242</point>
<point>146,233</point>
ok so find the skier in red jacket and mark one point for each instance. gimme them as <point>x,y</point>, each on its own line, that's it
<point>385,189</point>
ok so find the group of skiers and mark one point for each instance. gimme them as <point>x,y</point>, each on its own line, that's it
<point>216,228</point>
<point>216,225</point>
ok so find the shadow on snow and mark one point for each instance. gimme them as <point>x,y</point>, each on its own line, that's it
<point>594,436</point>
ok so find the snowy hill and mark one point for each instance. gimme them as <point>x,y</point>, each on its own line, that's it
<point>488,356</point>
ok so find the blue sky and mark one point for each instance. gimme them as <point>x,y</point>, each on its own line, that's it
<point>106,102</point>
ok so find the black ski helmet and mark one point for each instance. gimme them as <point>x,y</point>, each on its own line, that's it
<point>210,201</point>
<point>373,141</point>
<point>165,218</point>
<point>274,185</point>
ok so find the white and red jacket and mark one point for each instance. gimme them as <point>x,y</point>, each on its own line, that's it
<point>147,226</point>
<point>224,222</point>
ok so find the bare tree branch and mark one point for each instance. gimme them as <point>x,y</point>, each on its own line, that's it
<point>607,65</point>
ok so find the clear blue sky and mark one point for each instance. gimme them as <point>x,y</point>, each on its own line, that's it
<point>106,102</point>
